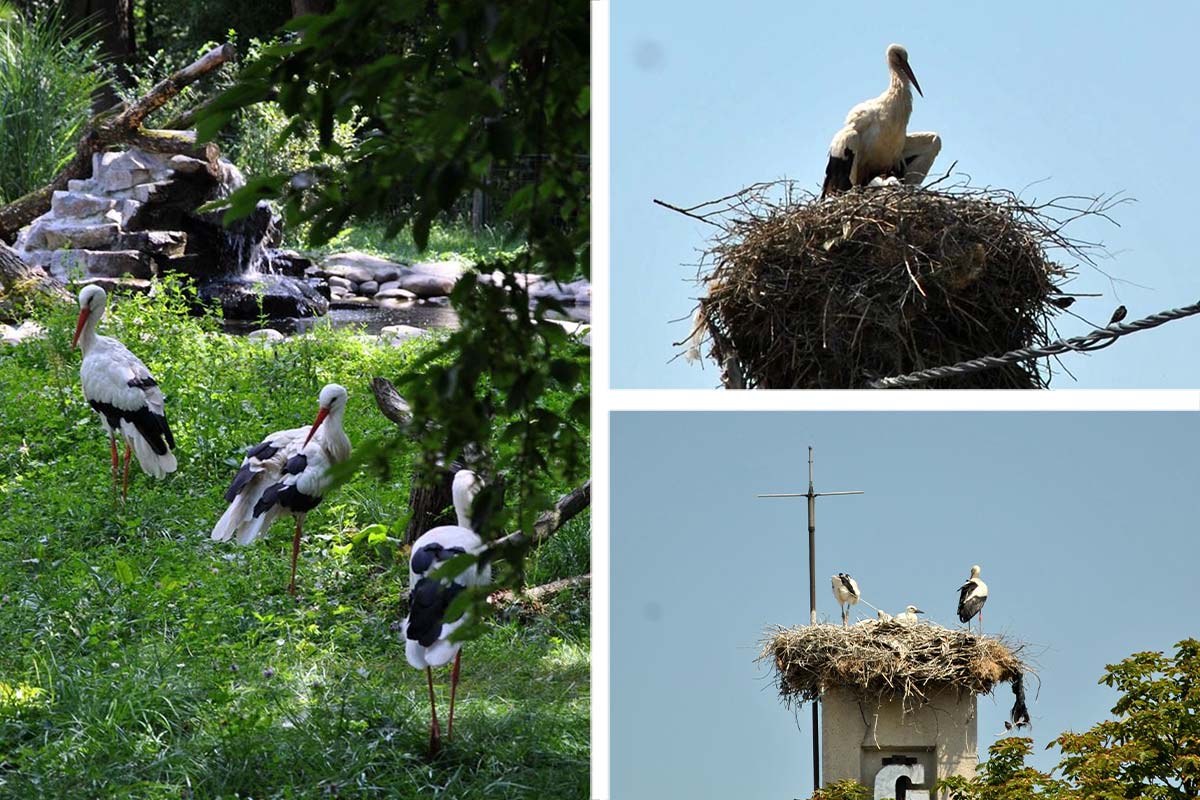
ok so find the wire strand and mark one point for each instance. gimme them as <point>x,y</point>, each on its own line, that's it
<point>1087,343</point>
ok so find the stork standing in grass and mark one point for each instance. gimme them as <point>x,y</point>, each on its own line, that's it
<point>971,597</point>
<point>286,473</point>
<point>874,141</point>
<point>845,591</point>
<point>426,629</point>
<point>119,387</point>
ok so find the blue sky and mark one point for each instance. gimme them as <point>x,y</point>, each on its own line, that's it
<point>710,97</point>
<point>1084,523</point>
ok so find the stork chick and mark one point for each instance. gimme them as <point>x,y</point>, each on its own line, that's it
<point>845,591</point>
<point>874,141</point>
<point>909,615</point>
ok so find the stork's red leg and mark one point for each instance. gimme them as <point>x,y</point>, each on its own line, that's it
<point>125,480</point>
<point>116,469</point>
<point>295,556</point>
<point>435,732</point>
<point>453,690</point>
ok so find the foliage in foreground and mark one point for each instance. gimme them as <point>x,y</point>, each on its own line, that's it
<point>47,78</point>
<point>450,91</point>
<point>138,658</point>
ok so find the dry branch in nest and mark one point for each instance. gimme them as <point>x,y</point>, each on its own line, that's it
<point>876,660</point>
<point>806,293</point>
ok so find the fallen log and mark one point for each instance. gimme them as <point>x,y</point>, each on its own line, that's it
<point>121,124</point>
<point>533,599</point>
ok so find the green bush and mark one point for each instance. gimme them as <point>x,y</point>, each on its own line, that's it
<point>47,78</point>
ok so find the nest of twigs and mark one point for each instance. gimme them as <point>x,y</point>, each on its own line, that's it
<point>879,282</point>
<point>888,660</point>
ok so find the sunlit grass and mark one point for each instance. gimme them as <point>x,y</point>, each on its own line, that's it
<point>142,659</point>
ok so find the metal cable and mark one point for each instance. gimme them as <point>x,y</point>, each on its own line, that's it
<point>1090,342</point>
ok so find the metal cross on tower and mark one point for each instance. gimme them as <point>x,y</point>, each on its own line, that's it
<point>812,496</point>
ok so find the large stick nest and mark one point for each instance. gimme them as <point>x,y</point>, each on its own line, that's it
<point>877,660</point>
<point>879,282</point>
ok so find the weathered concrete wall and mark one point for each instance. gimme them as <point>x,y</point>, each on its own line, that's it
<point>941,735</point>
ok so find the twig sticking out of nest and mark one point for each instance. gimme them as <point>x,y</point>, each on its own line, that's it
<point>888,659</point>
<point>883,281</point>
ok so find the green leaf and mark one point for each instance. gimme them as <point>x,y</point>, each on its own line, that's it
<point>124,573</point>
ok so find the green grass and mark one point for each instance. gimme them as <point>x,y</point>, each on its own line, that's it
<point>446,240</point>
<point>140,659</point>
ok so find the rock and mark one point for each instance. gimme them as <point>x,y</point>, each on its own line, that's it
<point>163,243</point>
<point>452,268</point>
<point>15,334</point>
<point>368,288</point>
<point>63,264</point>
<point>186,164</point>
<point>279,295</point>
<point>388,285</point>
<point>436,301</point>
<point>68,232</point>
<point>265,335</point>
<point>360,267</point>
<point>396,334</point>
<point>426,284</point>
<point>122,285</point>
<point>395,294</point>
<point>80,204</point>
<point>338,282</point>
<point>350,301</point>
<point>320,285</point>
<point>289,262</point>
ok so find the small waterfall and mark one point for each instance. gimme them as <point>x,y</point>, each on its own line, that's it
<point>247,240</point>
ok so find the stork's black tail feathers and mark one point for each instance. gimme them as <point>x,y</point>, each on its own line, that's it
<point>1019,716</point>
<point>427,606</point>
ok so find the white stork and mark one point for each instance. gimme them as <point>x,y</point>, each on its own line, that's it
<point>971,597</point>
<point>909,615</point>
<point>286,473</point>
<point>883,616</point>
<point>874,141</point>
<point>119,387</point>
<point>426,630</point>
<point>845,591</point>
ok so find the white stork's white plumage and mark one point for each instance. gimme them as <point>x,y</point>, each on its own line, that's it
<point>286,473</point>
<point>909,615</point>
<point>119,387</point>
<point>426,629</point>
<point>845,591</point>
<point>971,597</point>
<point>874,141</point>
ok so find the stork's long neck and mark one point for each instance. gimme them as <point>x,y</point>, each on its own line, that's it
<point>899,95</point>
<point>87,336</point>
<point>334,440</point>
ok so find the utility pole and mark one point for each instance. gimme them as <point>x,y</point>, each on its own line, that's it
<point>812,496</point>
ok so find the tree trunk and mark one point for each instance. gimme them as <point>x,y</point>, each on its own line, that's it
<point>302,7</point>
<point>121,124</point>
<point>22,284</point>
<point>113,20</point>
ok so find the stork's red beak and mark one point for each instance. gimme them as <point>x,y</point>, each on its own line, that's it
<point>908,71</point>
<point>321,415</point>
<point>84,313</point>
